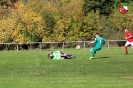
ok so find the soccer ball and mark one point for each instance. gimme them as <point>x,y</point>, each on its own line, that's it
<point>78,47</point>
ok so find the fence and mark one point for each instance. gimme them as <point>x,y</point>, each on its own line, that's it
<point>56,45</point>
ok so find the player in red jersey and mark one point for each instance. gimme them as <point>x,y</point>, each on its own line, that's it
<point>129,40</point>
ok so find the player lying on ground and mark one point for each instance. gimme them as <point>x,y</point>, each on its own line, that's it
<point>98,45</point>
<point>129,40</point>
<point>57,55</point>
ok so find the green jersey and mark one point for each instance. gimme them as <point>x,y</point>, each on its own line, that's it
<point>57,55</point>
<point>99,41</point>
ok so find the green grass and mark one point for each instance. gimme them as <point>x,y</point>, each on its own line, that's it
<point>32,69</point>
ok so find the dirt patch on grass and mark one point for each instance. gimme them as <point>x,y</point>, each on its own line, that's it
<point>128,77</point>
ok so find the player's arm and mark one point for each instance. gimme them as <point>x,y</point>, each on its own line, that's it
<point>128,37</point>
<point>91,42</point>
<point>104,40</point>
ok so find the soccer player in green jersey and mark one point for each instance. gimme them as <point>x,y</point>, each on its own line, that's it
<point>98,45</point>
<point>56,55</point>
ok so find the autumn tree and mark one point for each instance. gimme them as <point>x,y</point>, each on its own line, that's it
<point>60,20</point>
<point>103,6</point>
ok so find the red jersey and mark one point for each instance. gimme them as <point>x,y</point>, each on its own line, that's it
<point>128,34</point>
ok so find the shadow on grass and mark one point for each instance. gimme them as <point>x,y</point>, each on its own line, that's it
<point>99,57</point>
<point>102,57</point>
<point>129,54</point>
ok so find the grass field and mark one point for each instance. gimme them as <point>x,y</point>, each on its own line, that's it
<point>32,69</point>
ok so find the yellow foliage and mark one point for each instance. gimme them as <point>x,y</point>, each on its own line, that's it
<point>31,25</point>
<point>6,29</point>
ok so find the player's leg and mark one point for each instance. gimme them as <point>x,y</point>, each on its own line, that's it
<point>94,53</point>
<point>132,44</point>
<point>91,53</point>
<point>97,49</point>
<point>126,47</point>
<point>69,56</point>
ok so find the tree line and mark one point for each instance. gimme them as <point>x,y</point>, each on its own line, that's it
<point>60,20</point>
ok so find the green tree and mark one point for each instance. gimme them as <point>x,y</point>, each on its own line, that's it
<point>92,23</point>
<point>29,26</point>
<point>103,6</point>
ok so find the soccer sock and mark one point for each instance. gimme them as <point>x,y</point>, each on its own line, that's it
<point>94,54</point>
<point>91,53</point>
<point>126,49</point>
